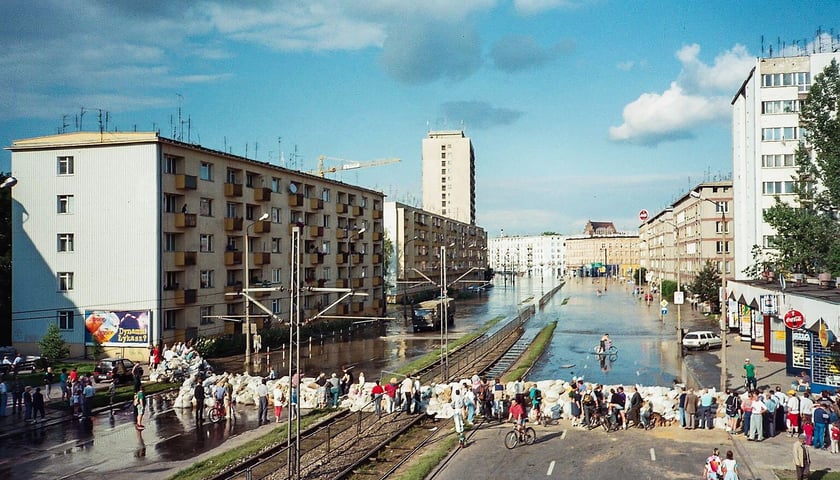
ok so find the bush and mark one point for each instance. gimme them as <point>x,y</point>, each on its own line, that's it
<point>53,347</point>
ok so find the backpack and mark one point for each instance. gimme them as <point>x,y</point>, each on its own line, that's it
<point>538,395</point>
<point>732,405</point>
<point>587,399</point>
<point>482,393</point>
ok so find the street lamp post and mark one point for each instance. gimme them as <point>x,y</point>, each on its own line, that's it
<point>248,347</point>
<point>724,320</point>
<point>679,287</point>
<point>606,269</point>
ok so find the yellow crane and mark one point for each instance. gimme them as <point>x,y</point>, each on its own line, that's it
<point>348,165</point>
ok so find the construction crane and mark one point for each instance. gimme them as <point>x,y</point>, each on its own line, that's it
<point>348,165</point>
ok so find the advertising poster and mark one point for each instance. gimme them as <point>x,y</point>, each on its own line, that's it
<point>117,328</point>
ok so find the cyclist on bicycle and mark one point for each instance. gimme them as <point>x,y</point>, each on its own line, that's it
<point>605,344</point>
<point>517,414</point>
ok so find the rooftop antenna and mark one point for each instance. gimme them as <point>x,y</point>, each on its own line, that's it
<point>762,45</point>
<point>80,118</point>
<point>279,151</point>
<point>256,150</point>
<point>180,136</point>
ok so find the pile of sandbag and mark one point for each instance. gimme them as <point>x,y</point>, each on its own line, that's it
<point>179,363</point>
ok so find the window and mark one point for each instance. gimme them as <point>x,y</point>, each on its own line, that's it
<point>769,241</point>
<point>65,204</point>
<point>779,134</point>
<point>275,245</point>
<point>169,318</point>
<point>65,242</point>
<point>170,203</point>
<point>276,184</point>
<point>65,281</point>
<point>778,160</point>
<point>719,246</point>
<point>170,164</point>
<point>205,207</point>
<point>719,227</point>
<point>206,279</point>
<point>327,273</point>
<point>442,155</point>
<point>275,306</point>
<point>325,194</point>
<point>276,214</point>
<point>249,212</point>
<point>170,281</point>
<point>276,275</point>
<point>65,319</point>
<point>205,243</point>
<point>232,210</point>
<point>66,166</point>
<point>231,176</point>
<point>170,242</point>
<point>799,79</point>
<point>777,188</point>
<point>206,313</point>
<point>325,221</point>
<point>205,171</point>
<point>325,248</point>
<point>250,179</point>
<point>721,207</point>
<point>780,106</point>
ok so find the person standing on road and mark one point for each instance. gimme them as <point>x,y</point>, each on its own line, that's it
<point>27,404</point>
<point>729,466</point>
<point>62,383</point>
<point>758,408</point>
<point>498,398</point>
<point>262,402</point>
<point>4,396</point>
<point>821,421</point>
<point>377,392</point>
<point>198,393</point>
<point>140,404</point>
<point>806,407</point>
<point>407,391</point>
<point>335,389</point>
<point>770,416</point>
<point>458,414</point>
<point>38,404</point>
<point>793,417</point>
<point>749,369</point>
<point>712,467</point>
<point>279,402</point>
<point>681,411</point>
<point>89,391</point>
<point>690,409</point>
<point>706,410</point>
<point>732,403</point>
<point>801,459</point>
<point>390,392</point>
<point>49,378</point>
<point>17,395</point>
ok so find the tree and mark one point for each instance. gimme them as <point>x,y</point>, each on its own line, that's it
<point>53,346</point>
<point>707,283</point>
<point>808,232</point>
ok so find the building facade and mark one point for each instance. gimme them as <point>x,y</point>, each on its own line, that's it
<point>423,244</point>
<point>541,255</point>
<point>449,175</point>
<point>765,136</point>
<point>132,239</point>
<point>602,251</point>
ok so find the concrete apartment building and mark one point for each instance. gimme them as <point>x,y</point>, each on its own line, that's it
<point>133,239</point>
<point>676,243</point>
<point>449,175</point>
<point>421,240</point>
<point>765,136</point>
<point>540,255</point>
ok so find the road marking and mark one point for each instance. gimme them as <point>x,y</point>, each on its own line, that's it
<point>550,469</point>
<point>563,435</point>
<point>652,455</point>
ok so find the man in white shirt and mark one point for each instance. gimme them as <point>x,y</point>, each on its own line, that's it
<point>407,390</point>
<point>756,419</point>
<point>792,409</point>
<point>806,408</point>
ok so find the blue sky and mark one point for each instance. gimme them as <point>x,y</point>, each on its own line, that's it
<point>577,109</point>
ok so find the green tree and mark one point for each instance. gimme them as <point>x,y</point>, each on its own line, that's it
<point>808,232</point>
<point>707,283</point>
<point>53,346</point>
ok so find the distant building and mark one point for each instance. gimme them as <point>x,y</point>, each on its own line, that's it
<point>449,175</point>
<point>135,239</point>
<point>421,240</point>
<point>542,255</point>
<point>602,251</point>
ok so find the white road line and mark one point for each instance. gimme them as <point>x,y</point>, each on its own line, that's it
<point>652,455</point>
<point>563,435</point>
<point>550,469</point>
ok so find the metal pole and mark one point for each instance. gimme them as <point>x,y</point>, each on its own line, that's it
<point>606,268</point>
<point>679,305</point>
<point>445,296</point>
<point>724,320</point>
<point>247,304</point>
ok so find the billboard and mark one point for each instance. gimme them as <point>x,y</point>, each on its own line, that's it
<point>117,328</point>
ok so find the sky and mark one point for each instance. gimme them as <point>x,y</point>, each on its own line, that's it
<point>577,109</point>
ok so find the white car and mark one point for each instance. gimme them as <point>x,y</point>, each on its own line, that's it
<point>701,339</point>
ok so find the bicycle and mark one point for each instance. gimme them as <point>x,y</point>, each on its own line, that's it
<point>525,435</point>
<point>216,412</point>
<point>611,353</point>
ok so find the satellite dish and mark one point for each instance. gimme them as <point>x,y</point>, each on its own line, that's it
<point>292,188</point>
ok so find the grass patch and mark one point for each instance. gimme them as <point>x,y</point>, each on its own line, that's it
<point>424,465</point>
<point>216,464</point>
<point>532,354</point>
<point>815,475</point>
<point>434,356</point>
<point>36,378</point>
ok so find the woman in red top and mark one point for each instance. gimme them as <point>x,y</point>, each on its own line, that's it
<point>517,414</point>
<point>377,393</point>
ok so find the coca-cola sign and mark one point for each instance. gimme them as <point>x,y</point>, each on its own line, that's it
<point>794,319</point>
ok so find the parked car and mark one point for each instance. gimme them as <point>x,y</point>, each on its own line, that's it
<point>701,340</point>
<point>116,369</point>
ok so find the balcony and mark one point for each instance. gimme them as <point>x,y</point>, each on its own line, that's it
<point>376,281</point>
<point>315,231</point>
<point>233,258</point>
<point>378,303</point>
<point>356,259</point>
<point>233,289</point>
<point>341,233</point>
<point>262,194</point>
<point>341,258</point>
<point>185,220</point>
<point>357,211</point>
<point>233,189</point>
<point>376,236</point>
<point>342,283</point>
<point>262,258</point>
<point>233,224</point>
<point>296,200</point>
<point>342,309</point>
<point>316,258</point>
<point>341,208</point>
<point>316,204</point>
<point>377,214</point>
<point>184,259</point>
<point>358,283</point>
<point>185,296</point>
<point>263,226</point>
<point>186,182</point>
<point>376,258</point>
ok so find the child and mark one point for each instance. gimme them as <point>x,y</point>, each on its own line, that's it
<point>808,428</point>
<point>835,437</point>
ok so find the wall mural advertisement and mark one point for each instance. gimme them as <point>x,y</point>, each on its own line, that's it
<point>117,328</point>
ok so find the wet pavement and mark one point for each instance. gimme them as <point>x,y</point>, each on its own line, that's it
<point>63,448</point>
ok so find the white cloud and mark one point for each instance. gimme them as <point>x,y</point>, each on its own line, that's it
<point>533,7</point>
<point>700,95</point>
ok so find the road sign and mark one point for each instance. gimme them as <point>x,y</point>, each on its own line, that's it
<point>664,311</point>
<point>664,303</point>
<point>679,298</point>
<point>794,319</point>
<point>643,215</point>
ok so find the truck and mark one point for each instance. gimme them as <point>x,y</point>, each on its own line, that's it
<point>426,315</point>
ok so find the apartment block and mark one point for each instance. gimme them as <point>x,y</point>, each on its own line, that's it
<point>449,175</point>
